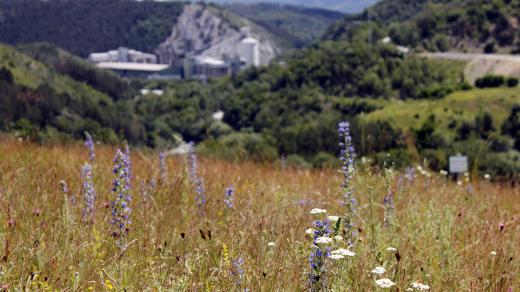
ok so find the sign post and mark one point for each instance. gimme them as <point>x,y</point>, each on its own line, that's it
<point>458,164</point>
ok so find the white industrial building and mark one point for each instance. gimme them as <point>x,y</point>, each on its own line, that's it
<point>224,59</point>
<point>249,52</point>
<point>123,55</point>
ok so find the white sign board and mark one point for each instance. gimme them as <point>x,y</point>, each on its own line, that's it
<point>458,164</point>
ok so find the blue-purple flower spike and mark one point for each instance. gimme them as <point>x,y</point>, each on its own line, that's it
<point>195,179</point>
<point>228,197</point>
<point>89,193</point>
<point>318,269</point>
<point>347,156</point>
<point>89,143</point>
<point>162,168</point>
<point>122,191</point>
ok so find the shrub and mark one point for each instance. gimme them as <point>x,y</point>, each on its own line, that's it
<point>239,147</point>
<point>297,161</point>
<point>489,81</point>
<point>499,143</point>
<point>324,159</point>
<point>512,82</point>
<point>490,48</point>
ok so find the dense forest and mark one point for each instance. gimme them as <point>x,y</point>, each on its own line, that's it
<point>86,26</point>
<point>441,25</point>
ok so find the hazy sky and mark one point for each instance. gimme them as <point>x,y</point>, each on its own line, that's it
<point>349,6</point>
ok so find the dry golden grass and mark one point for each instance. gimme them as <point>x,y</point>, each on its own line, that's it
<point>444,234</point>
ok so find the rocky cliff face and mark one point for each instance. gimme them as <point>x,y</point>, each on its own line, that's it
<point>200,31</point>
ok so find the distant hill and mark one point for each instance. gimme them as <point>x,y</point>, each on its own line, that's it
<point>441,25</point>
<point>60,97</point>
<point>345,6</point>
<point>85,26</point>
<point>297,26</point>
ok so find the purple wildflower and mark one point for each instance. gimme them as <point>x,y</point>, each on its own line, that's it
<point>228,197</point>
<point>89,143</point>
<point>410,174</point>
<point>89,193</point>
<point>196,180</point>
<point>121,189</point>
<point>347,156</point>
<point>238,270</point>
<point>388,201</point>
<point>65,191</point>
<point>318,269</point>
<point>128,165</point>
<point>162,167</point>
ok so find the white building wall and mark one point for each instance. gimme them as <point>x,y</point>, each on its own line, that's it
<point>249,52</point>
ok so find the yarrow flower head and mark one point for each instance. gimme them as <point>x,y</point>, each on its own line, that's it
<point>228,197</point>
<point>419,286</point>
<point>89,143</point>
<point>122,191</point>
<point>333,218</point>
<point>391,249</point>
<point>385,283</point>
<point>323,240</point>
<point>336,256</point>
<point>378,270</point>
<point>89,193</point>
<point>317,211</point>
<point>343,252</point>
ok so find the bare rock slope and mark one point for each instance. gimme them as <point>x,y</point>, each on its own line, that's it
<point>202,30</point>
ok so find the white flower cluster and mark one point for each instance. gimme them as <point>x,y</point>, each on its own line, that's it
<point>423,172</point>
<point>391,249</point>
<point>420,287</point>
<point>378,270</point>
<point>323,240</point>
<point>316,211</point>
<point>385,283</point>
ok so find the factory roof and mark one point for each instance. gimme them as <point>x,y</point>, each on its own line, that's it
<point>132,66</point>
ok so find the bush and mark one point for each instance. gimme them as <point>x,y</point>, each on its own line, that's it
<point>436,159</point>
<point>501,164</point>
<point>499,143</point>
<point>490,81</point>
<point>396,157</point>
<point>297,161</point>
<point>490,48</point>
<point>325,160</point>
<point>512,82</point>
<point>239,147</point>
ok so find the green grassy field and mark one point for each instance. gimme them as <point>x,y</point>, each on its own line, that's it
<point>449,236</point>
<point>33,74</point>
<point>461,106</point>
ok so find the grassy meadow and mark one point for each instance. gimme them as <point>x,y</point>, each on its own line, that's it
<point>458,107</point>
<point>447,235</point>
